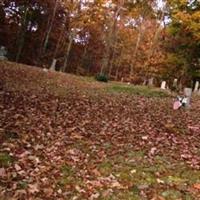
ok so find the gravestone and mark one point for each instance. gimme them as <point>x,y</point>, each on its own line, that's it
<point>53,65</point>
<point>196,87</point>
<point>188,94</point>
<point>150,82</point>
<point>3,53</point>
<point>163,85</point>
<point>175,82</point>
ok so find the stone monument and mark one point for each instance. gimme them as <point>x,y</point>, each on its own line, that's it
<point>163,85</point>
<point>150,82</point>
<point>188,94</point>
<point>53,65</point>
<point>175,82</point>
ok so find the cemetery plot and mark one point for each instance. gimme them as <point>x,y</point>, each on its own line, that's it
<point>68,137</point>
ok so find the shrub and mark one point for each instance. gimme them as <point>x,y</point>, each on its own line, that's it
<point>101,77</point>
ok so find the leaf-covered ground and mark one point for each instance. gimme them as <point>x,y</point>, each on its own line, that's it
<point>69,137</point>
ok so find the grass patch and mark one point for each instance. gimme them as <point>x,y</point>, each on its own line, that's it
<point>68,177</point>
<point>171,194</point>
<point>5,160</point>
<point>105,168</point>
<point>137,90</point>
<point>22,185</point>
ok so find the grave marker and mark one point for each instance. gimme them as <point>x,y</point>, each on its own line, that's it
<point>196,87</point>
<point>150,82</point>
<point>163,85</point>
<point>53,65</point>
<point>3,53</point>
<point>188,94</point>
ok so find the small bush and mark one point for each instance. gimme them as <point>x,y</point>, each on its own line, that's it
<point>101,77</point>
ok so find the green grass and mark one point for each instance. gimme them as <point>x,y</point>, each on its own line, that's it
<point>137,90</point>
<point>5,160</point>
<point>105,168</point>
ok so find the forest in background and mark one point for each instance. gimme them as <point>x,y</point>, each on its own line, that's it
<point>132,40</point>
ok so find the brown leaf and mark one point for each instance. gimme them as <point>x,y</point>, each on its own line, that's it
<point>96,172</point>
<point>2,172</point>
<point>33,188</point>
<point>48,191</point>
<point>197,186</point>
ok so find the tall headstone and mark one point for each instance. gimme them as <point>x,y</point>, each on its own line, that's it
<point>53,65</point>
<point>188,94</point>
<point>175,82</point>
<point>163,85</point>
<point>3,53</point>
<point>196,87</point>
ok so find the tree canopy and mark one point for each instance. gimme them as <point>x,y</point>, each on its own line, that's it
<point>133,40</point>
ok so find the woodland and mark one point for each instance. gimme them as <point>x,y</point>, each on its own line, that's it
<point>130,40</point>
<point>66,136</point>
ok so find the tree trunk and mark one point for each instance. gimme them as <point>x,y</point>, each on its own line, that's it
<point>22,34</point>
<point>135,51</point>
<point>50,27</point>
<point>152,48</point>
<point>110,40</point>
<point>67,53</point>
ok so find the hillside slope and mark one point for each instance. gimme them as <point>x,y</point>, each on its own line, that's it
<point>69,137</point>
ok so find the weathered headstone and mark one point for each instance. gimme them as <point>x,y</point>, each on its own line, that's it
<point>175,82</point>
<point>3,53</point>
<point>163,85</point>
<point>188,94</point>
<point>196,87</point>
<point>53,65</point>
<point>150,82</point>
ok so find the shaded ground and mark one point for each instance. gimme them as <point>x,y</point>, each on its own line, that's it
<point>68,137</point>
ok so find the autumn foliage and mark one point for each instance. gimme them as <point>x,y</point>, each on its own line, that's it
<point>133,40</point>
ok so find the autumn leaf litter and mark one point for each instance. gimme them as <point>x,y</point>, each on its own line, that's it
<point>66,137</point>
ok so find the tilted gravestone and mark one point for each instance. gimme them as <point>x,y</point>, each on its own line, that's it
<point>53,65</point>
<point>3,53</point>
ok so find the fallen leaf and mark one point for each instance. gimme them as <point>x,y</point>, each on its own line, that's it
<point>197,186</point>
<point>33,188</point>
<point>2,172</point>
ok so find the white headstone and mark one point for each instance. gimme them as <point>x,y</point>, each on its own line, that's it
<point>196,87</point>
<point>188,94</point>
<point>163,85</point>
<point>53,65</point>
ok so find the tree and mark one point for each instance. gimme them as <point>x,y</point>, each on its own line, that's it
<point>183,41</point>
